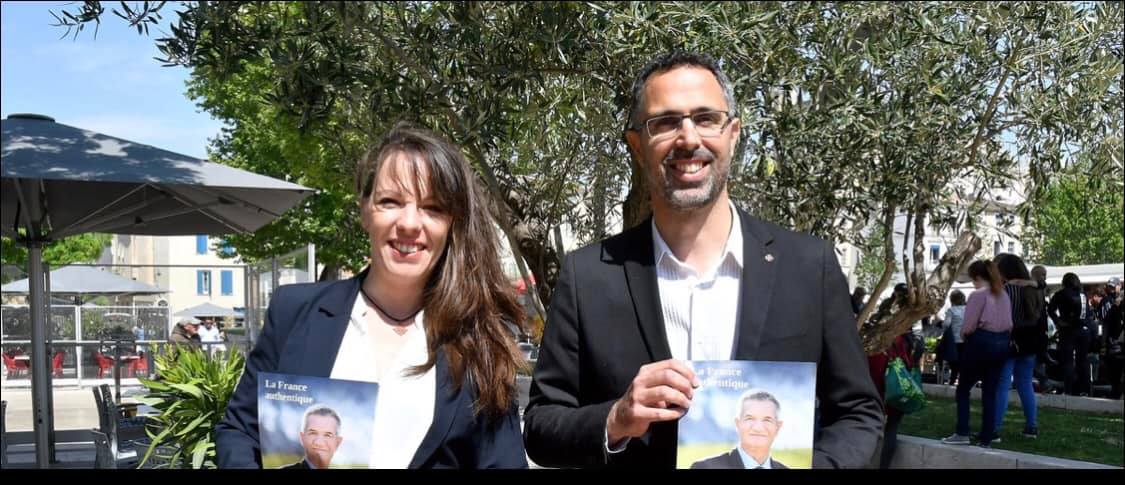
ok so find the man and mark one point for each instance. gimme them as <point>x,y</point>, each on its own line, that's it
<point>700,280</point>
<point>186,333</point>
<point>1070,310</point>
<point>1115,337</point>
<point>758,420</point>
<point>320,437</point>
<point>211,336</point>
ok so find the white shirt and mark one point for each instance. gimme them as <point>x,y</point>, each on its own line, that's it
<point>749,463</point>
<point>700,310</point>
<point>209,335</point>
<point>404,408</point>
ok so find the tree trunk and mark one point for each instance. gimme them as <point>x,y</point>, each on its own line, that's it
<point>637,206</point>
<point>878,333</point>
<point>888,266</point>
<point>543,264</point>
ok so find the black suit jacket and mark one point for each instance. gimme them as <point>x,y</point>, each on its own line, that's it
<point>300,465</point>
<point>605,322</point>
<point>304,327</point>
<point>730,460</point>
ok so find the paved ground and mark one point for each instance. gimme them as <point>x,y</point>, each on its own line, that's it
<point>74,409</point>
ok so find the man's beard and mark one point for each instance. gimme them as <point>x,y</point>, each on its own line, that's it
<point>695,195</point>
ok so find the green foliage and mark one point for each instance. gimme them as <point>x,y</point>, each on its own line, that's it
<point>1078,221</point>
<point>83,248</point>
<point>849,110</point>
<point>871,262</point>
<point>191,395</point>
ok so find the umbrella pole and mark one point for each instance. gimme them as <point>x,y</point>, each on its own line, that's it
<point>40,398</point>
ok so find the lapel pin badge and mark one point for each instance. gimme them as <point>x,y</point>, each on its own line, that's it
<point>769,258</point>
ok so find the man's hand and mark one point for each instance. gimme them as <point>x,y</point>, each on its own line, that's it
<point>661,391</point>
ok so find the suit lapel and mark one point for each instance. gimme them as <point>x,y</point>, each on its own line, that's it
<point>446,401</point>
<point>324,329</point>
<point>758,273</point>
<point>640,273</point>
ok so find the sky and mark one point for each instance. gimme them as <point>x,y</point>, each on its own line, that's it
<point>110,84</point>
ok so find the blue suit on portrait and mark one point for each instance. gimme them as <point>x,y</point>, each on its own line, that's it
<point>304,327</point>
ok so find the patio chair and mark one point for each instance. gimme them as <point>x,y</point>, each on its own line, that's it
<point>57,362</point>
<point>139,367</point>
<point>104,364</point>
<point>117,440</point>
<point>14,367</point>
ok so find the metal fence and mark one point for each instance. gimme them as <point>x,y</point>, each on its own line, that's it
<point>80,335</point>
<point>87,342</point>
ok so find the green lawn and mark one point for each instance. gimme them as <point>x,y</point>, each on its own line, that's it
<point>1064,434</point>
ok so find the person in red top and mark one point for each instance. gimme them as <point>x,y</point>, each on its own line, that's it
<point>903,346</point>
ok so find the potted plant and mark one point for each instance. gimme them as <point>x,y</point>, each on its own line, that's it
<point>191,394</point>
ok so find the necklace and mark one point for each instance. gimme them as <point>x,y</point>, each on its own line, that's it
<point>398,327</point>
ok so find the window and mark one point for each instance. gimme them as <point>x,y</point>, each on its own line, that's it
<point>1012,247</point>
<point>996,248</point>
<point>201,244</point>
<point>203,282</point>
<point>226,282</point>
<point>935,253</point>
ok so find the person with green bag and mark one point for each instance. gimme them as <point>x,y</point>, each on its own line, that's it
<point>886,368</point>
<point>894,372</point>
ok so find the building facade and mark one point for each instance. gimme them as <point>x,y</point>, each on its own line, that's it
<point>189,267</point>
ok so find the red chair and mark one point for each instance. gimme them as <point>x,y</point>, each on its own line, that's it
<point>140,366</point>
<point>56,363</point>
<point>104,364</point>
<point>15,367</point>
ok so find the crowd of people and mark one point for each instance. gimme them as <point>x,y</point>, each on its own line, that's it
<point>1010,332</point>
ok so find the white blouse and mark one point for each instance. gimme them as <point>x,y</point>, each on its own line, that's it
<point>404,408</point>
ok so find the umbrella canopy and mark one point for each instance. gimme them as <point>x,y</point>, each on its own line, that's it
<point>63,181</point>
<point>86,280</point>
<point>58,180</point>
<point>208,310</point>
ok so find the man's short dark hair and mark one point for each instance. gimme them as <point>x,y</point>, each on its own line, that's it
<point>669,61</point>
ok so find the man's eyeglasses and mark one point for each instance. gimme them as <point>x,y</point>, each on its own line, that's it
<point>708,124</point>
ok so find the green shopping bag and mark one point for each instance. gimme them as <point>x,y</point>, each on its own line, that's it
<point>904,388</point>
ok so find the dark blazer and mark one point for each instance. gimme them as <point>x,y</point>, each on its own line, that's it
<point>299,465</point>
<point>304,327</point>
<point>730,460</point>
<point>605,322</point>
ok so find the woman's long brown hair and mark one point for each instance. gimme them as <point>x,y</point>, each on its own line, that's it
<point>468,300</point>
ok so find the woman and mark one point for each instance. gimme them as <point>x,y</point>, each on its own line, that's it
<point>955,320</point>
<point>986,330</point>
<point>1026,307</point>
<point>426,320</point>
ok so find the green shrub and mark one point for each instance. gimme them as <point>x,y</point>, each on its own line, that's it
<point>191,394</point>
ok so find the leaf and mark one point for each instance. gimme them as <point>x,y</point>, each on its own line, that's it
<point>192,425</point>
<point>199,454</point>
<point>190,389</point>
